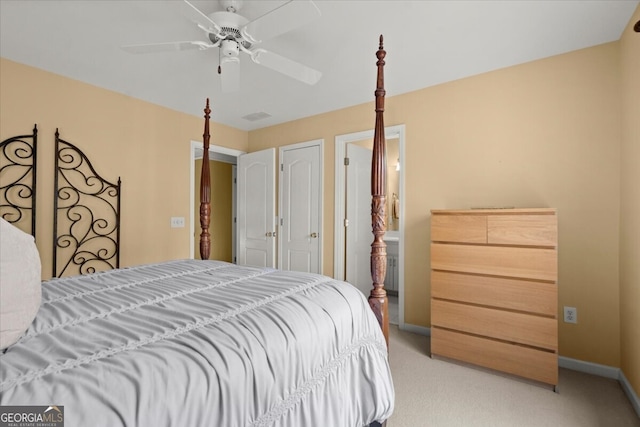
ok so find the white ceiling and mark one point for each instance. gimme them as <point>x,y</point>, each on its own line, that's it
<point>427,43</point>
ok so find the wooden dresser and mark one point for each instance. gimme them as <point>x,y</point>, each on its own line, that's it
<point>494,291</point>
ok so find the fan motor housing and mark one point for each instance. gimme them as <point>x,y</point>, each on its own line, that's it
<point>230,23</point>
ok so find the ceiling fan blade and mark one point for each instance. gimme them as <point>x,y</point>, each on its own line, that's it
<point>280,20</point>
<point>286,66</point>
<point>230,74</point>
<point>202,20</point>
<point>167,47</point>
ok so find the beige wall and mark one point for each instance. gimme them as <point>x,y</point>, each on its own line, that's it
<point>546,133</point>
<point>146,145</point>
<point>630,206</point>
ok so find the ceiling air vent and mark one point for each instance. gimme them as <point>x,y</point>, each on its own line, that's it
<point>256,116</point>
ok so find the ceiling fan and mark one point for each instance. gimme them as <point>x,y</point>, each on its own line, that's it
<point>234,34</point>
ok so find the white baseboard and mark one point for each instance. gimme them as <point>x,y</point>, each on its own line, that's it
<point>603,371</point>
<point>589,367</point>
<point>631,394</point>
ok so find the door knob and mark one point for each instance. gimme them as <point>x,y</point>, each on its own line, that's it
<point>271,234</point>
<point>314,235</point>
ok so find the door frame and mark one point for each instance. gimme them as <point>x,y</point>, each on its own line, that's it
<point>213,150</point>
<point>315,142</point>
<point>341,141</point>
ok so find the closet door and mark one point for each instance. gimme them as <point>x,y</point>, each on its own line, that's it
<point>256,208</point>
<point>301,207</point>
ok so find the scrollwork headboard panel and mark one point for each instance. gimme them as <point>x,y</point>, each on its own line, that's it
<point>18,160</point>
<point>86,224</point>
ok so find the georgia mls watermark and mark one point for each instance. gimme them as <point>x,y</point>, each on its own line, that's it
<point>32,416</point>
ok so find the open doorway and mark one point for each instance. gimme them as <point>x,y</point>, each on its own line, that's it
<point>353,235</point>
<point>223,200</point>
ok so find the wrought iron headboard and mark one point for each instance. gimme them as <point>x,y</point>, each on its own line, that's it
<point>86,215</point>
<point>18,159</point>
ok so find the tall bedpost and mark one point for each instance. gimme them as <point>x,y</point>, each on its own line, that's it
<point>378,297</point>
<point>205,190</point>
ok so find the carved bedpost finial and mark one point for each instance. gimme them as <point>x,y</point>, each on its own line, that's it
<point>378,297</point>
<point>380,92</point>
<point>205,190</point>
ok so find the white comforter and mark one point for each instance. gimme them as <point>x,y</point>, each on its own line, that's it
<point>202,343</point>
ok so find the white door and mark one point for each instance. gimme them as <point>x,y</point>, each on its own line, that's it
<point>300,207</point>
<point>256,208</point>
<point>358,206</point>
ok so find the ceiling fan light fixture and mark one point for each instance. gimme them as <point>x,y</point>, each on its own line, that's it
<point>229,48</point>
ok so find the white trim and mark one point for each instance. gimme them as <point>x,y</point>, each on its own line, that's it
<point>630,392</point>
<point>313,143</point>
<point>192,184</point>
<point>397,131</point>
<point>589,367</point>
<point>217,149</point>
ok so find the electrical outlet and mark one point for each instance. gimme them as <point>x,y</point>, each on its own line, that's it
<point>570,314</point>
<point>177,222</point>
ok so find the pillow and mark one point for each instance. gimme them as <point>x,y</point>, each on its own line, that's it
<point>20,291</point>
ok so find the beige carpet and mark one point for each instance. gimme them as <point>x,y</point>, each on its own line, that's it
<point>436,392</point>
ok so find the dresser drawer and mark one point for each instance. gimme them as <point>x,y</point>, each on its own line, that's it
<point>519,262</point>
<point>508,326</point>
<point>528,230</point>
<point>513,359</point>
<point>511,294</point>
<point>459,228</point>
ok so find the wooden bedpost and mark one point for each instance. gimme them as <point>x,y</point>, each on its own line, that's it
<point>205,190</point>
<point>378,297</point>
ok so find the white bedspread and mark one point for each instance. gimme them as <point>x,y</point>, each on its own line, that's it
<point>202,343</point>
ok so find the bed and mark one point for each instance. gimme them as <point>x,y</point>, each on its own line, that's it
<point>199,342</point>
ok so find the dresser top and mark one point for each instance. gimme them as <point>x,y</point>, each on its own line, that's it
<point>495,211</point>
